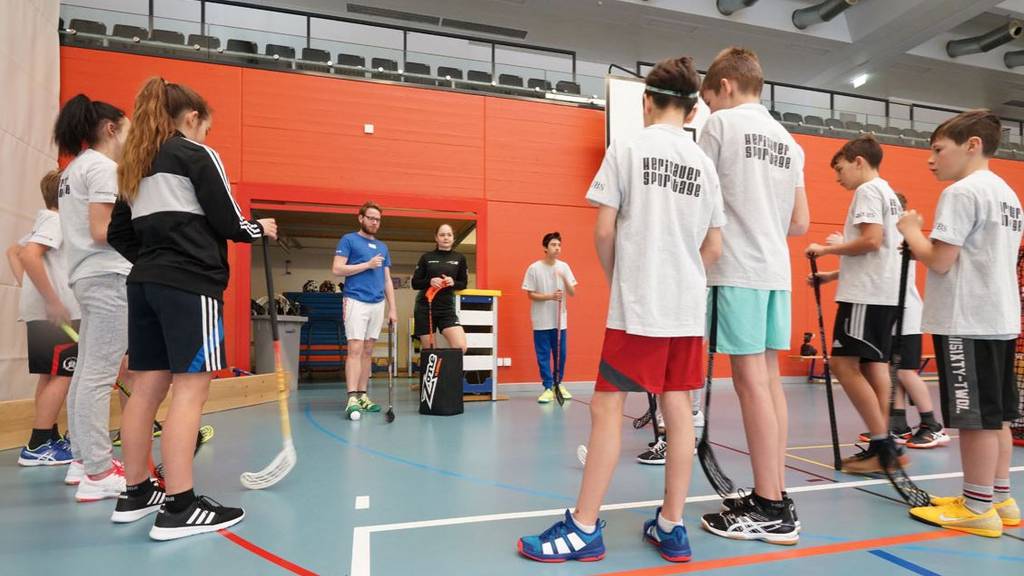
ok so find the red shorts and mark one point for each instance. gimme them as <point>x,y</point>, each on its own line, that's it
<point>631,363</point>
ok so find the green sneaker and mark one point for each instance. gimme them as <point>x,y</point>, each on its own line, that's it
<point>367,405</point>
<point>353,407</point>
<point>546,396</point>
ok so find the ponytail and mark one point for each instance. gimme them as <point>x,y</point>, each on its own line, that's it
<point>157,107</point>
<point>79,122</point>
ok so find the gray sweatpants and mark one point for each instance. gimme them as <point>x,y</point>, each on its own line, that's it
<point>103,342</point>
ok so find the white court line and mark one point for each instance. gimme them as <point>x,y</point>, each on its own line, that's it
<point>361,534</point>
<point>362,502</point>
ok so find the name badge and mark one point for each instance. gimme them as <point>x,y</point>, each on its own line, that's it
<point>374,246</point>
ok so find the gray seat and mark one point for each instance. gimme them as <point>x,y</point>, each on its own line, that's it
<point>567,87</point>
<point>510,80</point>
<point>873,128</point>
<point>129,32</point>
<point>242,46</point>
<point>90,27</point>
<point>478,76</point>
<point>834,124</point>
<point>203,42</point>
<point>448,75</point>
<point>351,65</point>
<point>792,118</point>
<point>890,131</point>
<point>421,72</point>
<point>810,120</point>
<point>535,83</point>
<point>910,133</point>
<point>379,68</point>
<point>855,126</point>
<point>285,55</point>
<point>167,37</point>
<point>775,114</point>
<point>314,60</point>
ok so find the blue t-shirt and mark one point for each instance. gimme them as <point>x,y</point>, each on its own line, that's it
<point>368,285</point>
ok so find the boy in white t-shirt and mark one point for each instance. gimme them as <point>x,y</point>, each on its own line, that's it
<point>972,309</point>
<point>46,303</point>
<point>659,186</point>
<point>761,169</point>
<point>867,298</point>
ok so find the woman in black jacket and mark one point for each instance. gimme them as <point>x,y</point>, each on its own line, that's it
<point>444,271</point>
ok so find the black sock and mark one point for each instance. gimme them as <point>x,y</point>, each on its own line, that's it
<point>142,489</point>
<point>898,419</point>
<point>178,503</point>
<point>54,433</point>
<point>354,394</point>
<point>928,419</point>
<point>39,437</point>
<point>773,506</point>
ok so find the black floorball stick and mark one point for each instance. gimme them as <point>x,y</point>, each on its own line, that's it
<point>389,416</point>
<point>888,457</point>
<point>558,357</point>
<point>719,481</point>
<point>652,408</point>
<point>837,461</point>
<point>641,421</point>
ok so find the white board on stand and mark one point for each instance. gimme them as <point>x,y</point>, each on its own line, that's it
<point>624,109</point>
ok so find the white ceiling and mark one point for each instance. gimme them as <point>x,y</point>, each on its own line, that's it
<point>899,43</point>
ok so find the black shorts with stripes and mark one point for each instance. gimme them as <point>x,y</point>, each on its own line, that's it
<point>976,382</point>
<point>863,331</point>
<point>171,329</point>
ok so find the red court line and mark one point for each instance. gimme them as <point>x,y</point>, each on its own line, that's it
<point>790,554</point>
<point>266,554</point>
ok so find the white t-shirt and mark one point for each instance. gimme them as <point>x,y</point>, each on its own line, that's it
<point>46,232</point>
<point>978,296</point>
<point>760,166</point>
<point>912,306</point>
<point>542,278</point>
<point>872,278</point>
<point>90,178</point>
<point>667,195</point>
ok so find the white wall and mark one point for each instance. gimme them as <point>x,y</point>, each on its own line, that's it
<point>29,92</point>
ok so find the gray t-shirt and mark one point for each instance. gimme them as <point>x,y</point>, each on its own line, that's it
<point>667,195</point>
<point>46,232</point>
<point>91,178</point>
<point>542,278</point>
<point>760,167</point>
<point>872,278</point>
<point>978,297</point>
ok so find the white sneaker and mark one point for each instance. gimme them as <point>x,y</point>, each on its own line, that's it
<point>698,419</point>
<point>76,471</point>
<point>109,487</point>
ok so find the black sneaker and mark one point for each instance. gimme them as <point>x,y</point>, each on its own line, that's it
<point>791,508</point>
<point>204,515</point>
<point>754,522</point>
<point>899,436</point>
<point>656,455</point>
<point>130,509</point>
<point>925,437</point>
<point>744,498</point>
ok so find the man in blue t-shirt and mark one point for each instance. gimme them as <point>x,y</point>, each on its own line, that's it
<point>365,263</point>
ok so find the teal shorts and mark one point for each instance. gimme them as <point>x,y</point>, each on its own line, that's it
<point>751,321</point>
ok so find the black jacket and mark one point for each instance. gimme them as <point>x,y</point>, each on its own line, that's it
<point>432,265</point>
<point>175,232</point>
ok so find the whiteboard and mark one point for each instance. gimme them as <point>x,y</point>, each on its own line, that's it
<point>624,109</point>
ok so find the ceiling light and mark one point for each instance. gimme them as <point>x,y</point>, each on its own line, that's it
<point>859,80</point>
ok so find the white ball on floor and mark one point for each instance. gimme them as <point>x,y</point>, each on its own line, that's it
<point>355,416</point>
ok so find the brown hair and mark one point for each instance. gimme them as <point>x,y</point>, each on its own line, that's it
<point>739,65</point>
<point>981,123</point>
<point>368,205</point>
<point>442,225</point>
<point>902,199</point>
<point>49,186</point>
<point>157,107</point>
<point>864,146</point>
<point>675,75</point>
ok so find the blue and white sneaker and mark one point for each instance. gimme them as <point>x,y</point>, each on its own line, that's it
<point>673,546</point>
<point>564,541</point>
<point>48,454</point>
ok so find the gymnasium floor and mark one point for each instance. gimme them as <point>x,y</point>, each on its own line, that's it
<point>451,495</point>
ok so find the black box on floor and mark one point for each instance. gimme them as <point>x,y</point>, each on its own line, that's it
<point>441,381</point>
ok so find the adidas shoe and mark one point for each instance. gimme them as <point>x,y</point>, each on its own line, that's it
<point>754,522</point>
<point>925,437</point>
<point>132,508</point>
<point>1007,510</point>
<point>367,405</point>
<point>110,486</point>
<point>76,471</point>
<point>656,455</point>
<point>49,453</point>
<point>898,436</point>
<point>673,546</point>
<point>957,516</point>
<point>203,515</point>
<point>564,541</point>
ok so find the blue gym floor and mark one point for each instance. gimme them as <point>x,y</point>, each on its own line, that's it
<point>451,496</point>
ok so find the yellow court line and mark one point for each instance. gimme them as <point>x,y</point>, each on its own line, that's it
<point>820,446</point>
<point>809,461</point>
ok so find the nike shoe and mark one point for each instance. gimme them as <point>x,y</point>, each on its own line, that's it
<point>203,515</point>
<point>49,453</point>
<point>562,542</point>
<point>673,546</point>
<point>1008,511</point>
<point>925,437</point>
<point>957,516</point>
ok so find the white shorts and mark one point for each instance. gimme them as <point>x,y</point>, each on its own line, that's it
<point>363,321</point>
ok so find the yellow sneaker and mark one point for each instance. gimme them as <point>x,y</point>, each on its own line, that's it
<point>1007,510</point>
<point>546,396</point>
<point>956,516</point>
<point>565,392</point>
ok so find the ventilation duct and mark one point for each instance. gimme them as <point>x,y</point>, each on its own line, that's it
<point>393,14</point>
<point>727,7</point>
<point>1014,59</point>
<point>483,28</point>
<point>985,42</point>
<point>819,13</point>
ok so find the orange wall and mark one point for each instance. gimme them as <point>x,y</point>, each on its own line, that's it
<point>521,167</point>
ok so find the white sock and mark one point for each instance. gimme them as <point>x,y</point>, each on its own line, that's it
<point>667,525</point>
<point>1001,490</point>
<point>585,528</point>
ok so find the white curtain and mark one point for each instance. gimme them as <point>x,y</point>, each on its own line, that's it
<point>29,98</point>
